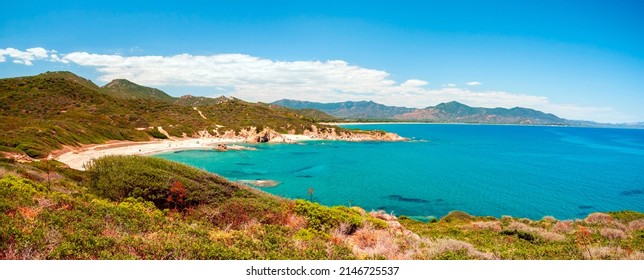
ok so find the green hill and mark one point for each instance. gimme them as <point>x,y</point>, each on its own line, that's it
<point>42,113</point>
<point>125,89</point>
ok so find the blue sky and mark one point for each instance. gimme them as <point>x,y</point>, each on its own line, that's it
<point>577,60</point>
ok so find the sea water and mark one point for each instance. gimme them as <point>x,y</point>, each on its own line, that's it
<point>487,170</point>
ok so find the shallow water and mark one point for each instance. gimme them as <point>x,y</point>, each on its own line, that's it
<point>481,169</point>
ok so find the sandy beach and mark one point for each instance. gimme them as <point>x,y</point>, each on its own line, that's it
<point>76,157</point>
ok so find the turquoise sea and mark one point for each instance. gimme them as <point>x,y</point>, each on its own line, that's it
<point>489,170</point>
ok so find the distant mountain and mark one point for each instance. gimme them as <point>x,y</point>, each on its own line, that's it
<point>348,109</point>
<point>458,112</point>
<point>444,112</point>
<point>123,88</point>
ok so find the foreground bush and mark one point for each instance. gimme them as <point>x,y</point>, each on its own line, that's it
<point>153,179</point>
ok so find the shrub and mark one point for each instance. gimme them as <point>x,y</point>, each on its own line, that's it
<point>450,248</point>
<point>549,219</point>
<point>599,218</point>
<point>562,226</point>
<point>323,218</point>
<point>489,225</point>
<point>177,195</point>
<point>627,216</point>
<point>15,192</point>
<point>119,177</point>
<point>157,134</point>
<point>604,253</point>
<point>636,225</point>
<point>612,233</point>
<point>532,234</point>
<point>457,216</point>
<point>237,212</point>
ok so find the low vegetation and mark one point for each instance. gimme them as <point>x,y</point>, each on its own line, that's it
<point>129,207</point>
<point>599,236</point>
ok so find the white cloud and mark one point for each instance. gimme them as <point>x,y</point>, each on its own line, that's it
<point>24,57</point>
<point>414,83</point>
<point>259,79</point>
<point>474,83</point>
<point>29,55</point>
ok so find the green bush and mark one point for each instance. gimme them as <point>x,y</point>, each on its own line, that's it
<point>323,218</point>
<point>15,192</point>
<point>457,216</point>
<point>157,134</point>
<point>626,216</point>
<point>119,177</point>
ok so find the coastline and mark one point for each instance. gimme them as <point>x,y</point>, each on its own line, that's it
<point>76,157</point>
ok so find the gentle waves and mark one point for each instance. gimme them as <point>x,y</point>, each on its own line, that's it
<point>488,170</point>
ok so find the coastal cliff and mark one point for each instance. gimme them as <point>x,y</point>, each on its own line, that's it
<point>268,135</point>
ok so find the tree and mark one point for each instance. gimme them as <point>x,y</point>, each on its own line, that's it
<point>177,195</point>
<point>48,169</point>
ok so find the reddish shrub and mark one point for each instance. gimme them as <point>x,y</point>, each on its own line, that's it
<point>612,233</point>
<point>599,218</point>
<point>177,195</point>
<point>562,226</point>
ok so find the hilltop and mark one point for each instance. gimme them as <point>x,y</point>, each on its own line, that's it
<point>43,113</point>
<point>123,88</point>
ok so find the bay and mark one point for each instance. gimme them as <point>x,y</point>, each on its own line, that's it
<point>486,170</point>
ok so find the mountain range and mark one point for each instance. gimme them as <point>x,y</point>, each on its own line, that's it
<point>348,109</point>
<point>448,112</point>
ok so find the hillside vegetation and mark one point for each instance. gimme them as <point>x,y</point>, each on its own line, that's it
<point>129,207</point>
<point>43,113</point>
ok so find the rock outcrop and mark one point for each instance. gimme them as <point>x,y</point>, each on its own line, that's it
<point>267,135</point>
<point>330,133</point>
<point>223,147</point>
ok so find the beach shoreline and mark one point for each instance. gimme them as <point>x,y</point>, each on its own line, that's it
<point>77,157</point>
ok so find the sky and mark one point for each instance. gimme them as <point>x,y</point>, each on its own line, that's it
<point>577,60</point>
